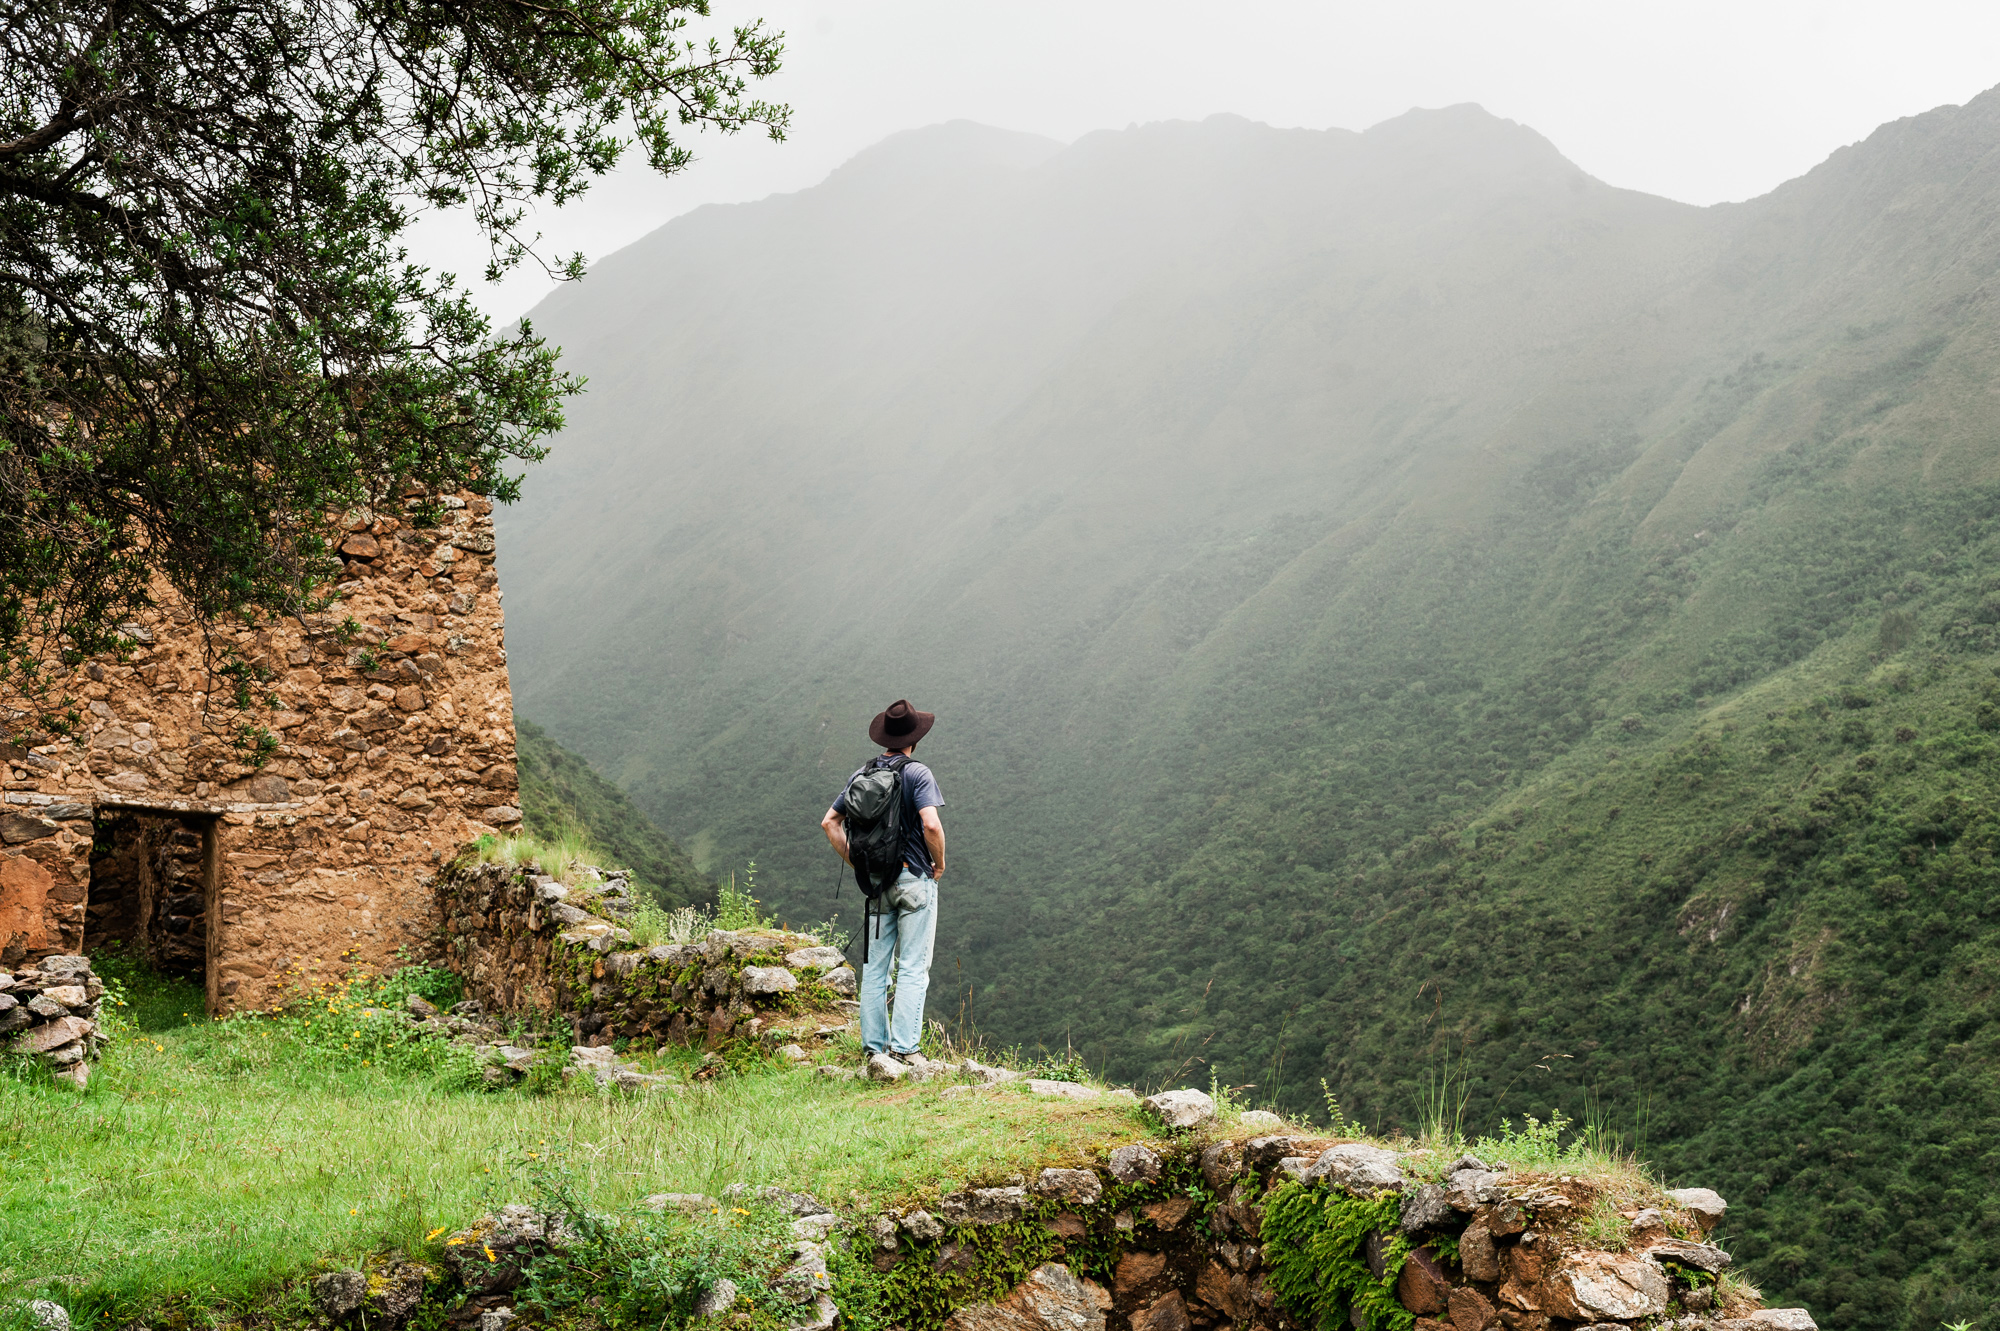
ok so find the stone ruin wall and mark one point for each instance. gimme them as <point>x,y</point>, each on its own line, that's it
<point>395,746</point>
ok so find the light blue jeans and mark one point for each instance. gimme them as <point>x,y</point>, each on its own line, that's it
<point>905,946</point>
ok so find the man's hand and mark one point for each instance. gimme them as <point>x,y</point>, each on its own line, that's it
<point>835,828</point>
<point>934,838</point>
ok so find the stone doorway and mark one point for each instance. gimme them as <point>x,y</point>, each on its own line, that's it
<point>153,876</point>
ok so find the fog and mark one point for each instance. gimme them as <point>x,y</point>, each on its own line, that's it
<point>1699,102</point>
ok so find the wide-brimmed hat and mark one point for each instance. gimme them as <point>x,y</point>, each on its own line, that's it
<point>900,725</point>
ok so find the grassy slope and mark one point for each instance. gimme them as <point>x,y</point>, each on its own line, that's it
<point>210,1163</point>
<point>560,792</point>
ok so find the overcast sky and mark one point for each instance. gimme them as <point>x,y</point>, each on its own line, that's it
<point>1699,100</point>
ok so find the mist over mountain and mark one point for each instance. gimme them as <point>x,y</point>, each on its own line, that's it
<point>1387,596</point>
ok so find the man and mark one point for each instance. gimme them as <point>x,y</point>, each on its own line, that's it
<point>906,934</point>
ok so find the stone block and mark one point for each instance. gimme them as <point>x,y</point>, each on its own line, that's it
<point>1181,1109</point>
<point>1050,1299</point>
<point>1080,1186</point>
<point>1355,1167</point>
<point>1604,1287</point>
<point>1134,1164</point>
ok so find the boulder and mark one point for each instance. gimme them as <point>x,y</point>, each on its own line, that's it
<point>768,980</point>
<point>1470,1310</point>
<point>1166,1313</point>
<point>718,1299</point>
<point>1425,1208</point>
<point>1050,1299</point>
<point>1470,1189</point>
<point>1706,1206</point>
<point>815,958</point>
<point>1080,1186</point>
<point>984,1206</point>
<point>1701,1256</point>
<point>1220,1164</point>
<point>1354,1167</point>
<point>1422,1286</point>
<point>1262,1153</point>
<point>338,1294</point>
<point>842,981</point>
<point>1181,1109</point>
<point>1478,1255</point>
<point>1134,1164</point>
<point>1604,1287</point>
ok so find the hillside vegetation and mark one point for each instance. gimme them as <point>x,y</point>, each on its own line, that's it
<point>562,796</point>
<point>1392,601</point>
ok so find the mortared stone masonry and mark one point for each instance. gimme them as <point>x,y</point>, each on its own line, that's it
<point>394,733</point>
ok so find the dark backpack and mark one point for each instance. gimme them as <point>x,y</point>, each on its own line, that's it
<point>873,816</point>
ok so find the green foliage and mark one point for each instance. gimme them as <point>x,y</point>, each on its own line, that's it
<point>561,794</point>
<point>737,907</point>
<point>1538,1145</point>
<point>359,1021</point>
<point>1315,1245</point>
<point>211,339</point>
<point>640,1269</point>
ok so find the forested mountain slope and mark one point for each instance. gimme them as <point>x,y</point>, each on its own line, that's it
<point>1386,595</point>
<point>560,794</point>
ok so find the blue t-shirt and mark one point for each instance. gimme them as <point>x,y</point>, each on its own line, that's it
<point>920,791</point>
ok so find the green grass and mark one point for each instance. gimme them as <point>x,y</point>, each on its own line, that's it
<point>211,1163</point>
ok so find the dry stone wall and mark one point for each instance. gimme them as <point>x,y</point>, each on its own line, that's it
<point>524,943</point>
<point>50,1012</point>
<point>391,744</point>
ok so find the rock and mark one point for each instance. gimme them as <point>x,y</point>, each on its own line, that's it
<point>44,1006</point>
<point>488,1256</point>
<point>1425,1208</point>
<point>1181,1109</point>
<point>984,1206</point>
<point>833,1073</point>
<point>1134,1164</point>
<point>1702,1256</point>
<point>1604,1287</point>
<point>819,1317</point>
<point>1470,1310</point>
<point>717,1300</point>
<point>1080,1186</point>
<point>1470,1189</point>
<point>1355,1167</point>
<point>48,1315</point>
<point>1295,1167</point>
<point>1422,1286</point>
<point>923,1226</point>
<point>806,1278</point>
<point>394,1291</point>
<point>1064,1090</point>
<point>1050,1299</point>
<point>1503,1218</point>
<point>1477,1254</point>
<point>1777,1319</point>
<point>687,1203</point>
<point>815,1228</point>
<point>1259,1118</point>
<point>1706,1206</point>
<point>339,1293</point>
<point>17,828</point>
<point>593,1057</point>
<point>992,1076</point>
<point>495,1319</point>
<point>1263,1153</point>
<point>418,1008</point>
<point>65,1029</point>
<point>1138,1272</point>
<point>842,981</point>
<point>1229,1293</point>
<point>815,958</point>
<point>1468,1161</point>
<point>768,980</point>
<point>1067,1225</point>
<point>69,995</point>
<point>881,1067</point>
<point>793,1053</point>
<point>625,1079</point>
<point>1166,1313</point>
<point>1220,1164</point>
